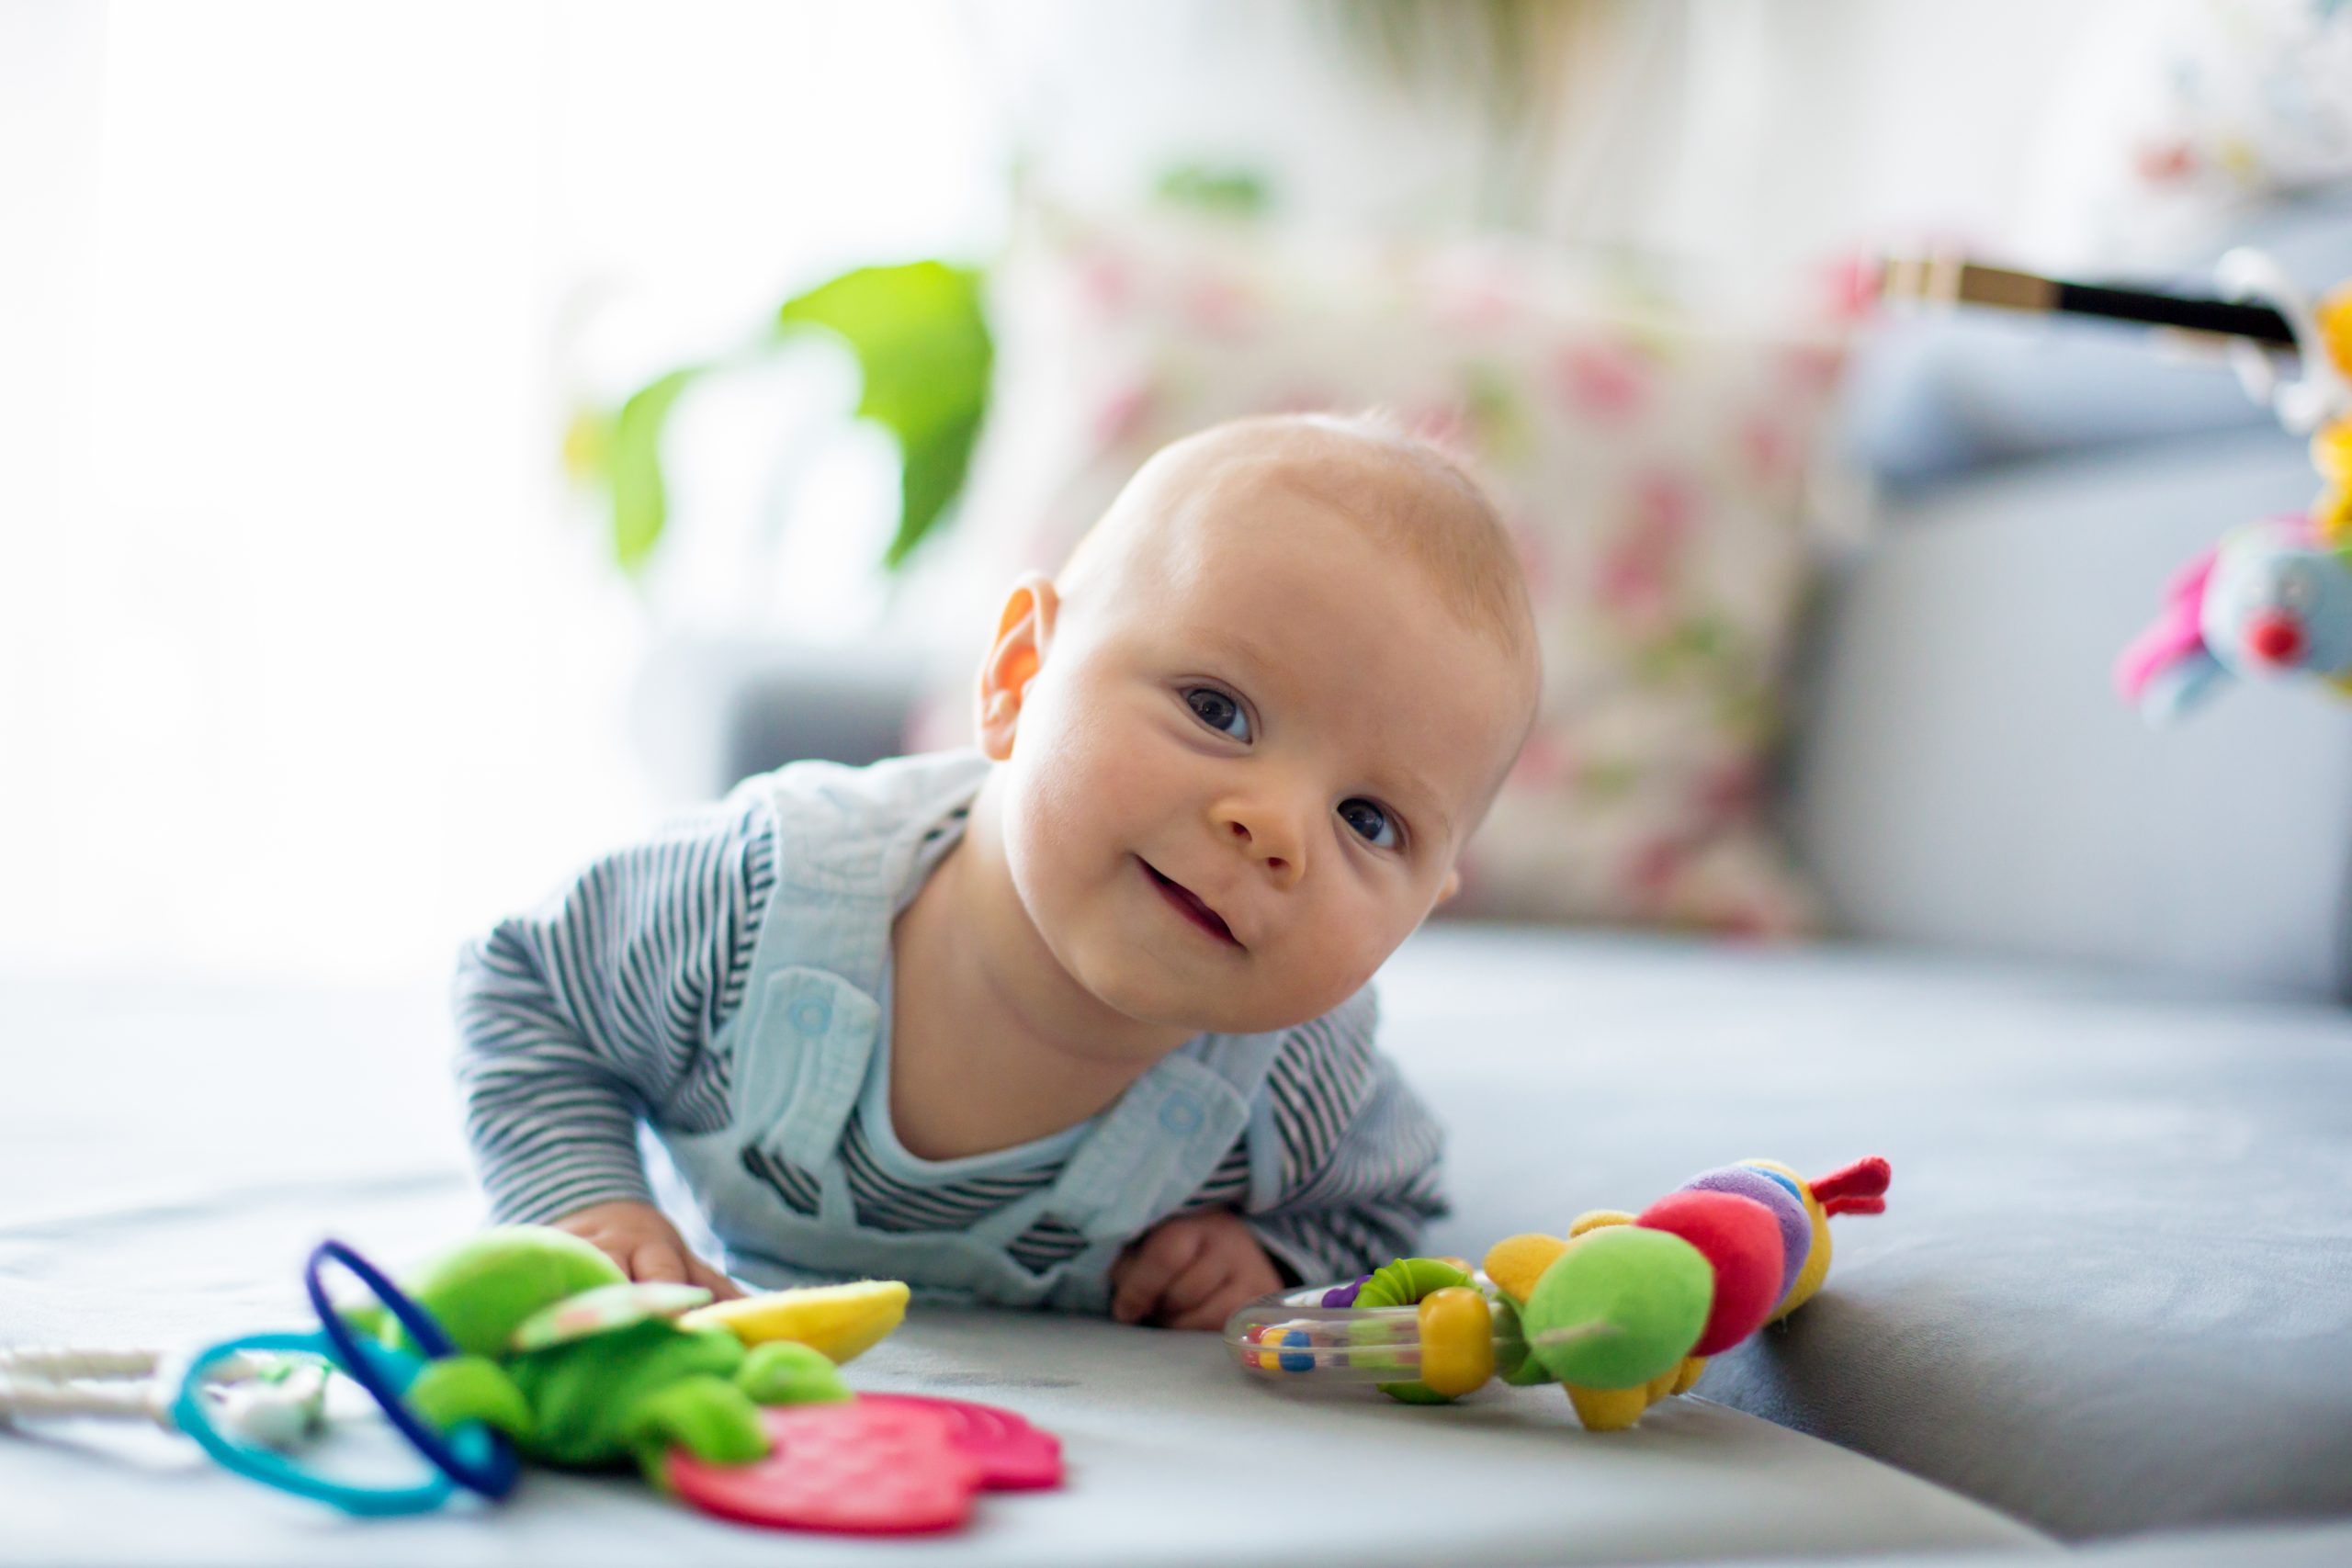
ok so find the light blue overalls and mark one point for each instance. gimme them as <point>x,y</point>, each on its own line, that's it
<point>852,851</point>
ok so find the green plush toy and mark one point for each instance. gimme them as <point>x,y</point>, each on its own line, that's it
<point>582,1367</point>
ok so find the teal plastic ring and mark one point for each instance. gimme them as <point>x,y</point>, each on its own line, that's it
<point>190,1415</point>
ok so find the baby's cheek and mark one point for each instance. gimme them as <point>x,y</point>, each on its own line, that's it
<point>1342,957</point>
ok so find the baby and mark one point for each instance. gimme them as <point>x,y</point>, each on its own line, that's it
<point>1080,1017</point>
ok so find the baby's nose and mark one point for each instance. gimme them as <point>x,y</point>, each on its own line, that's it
<point>1275,849</point>
<point>1241,831</point>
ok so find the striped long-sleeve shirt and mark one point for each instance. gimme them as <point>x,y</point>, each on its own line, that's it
<point>599,1011</point>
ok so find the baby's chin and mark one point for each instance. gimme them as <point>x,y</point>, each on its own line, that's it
<point>1190,1009</point>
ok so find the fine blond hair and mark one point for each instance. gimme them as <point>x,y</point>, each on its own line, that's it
<point>1408,491</point>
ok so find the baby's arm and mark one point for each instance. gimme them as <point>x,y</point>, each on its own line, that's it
<point>1366,1196</point>
<point>597,1009</point>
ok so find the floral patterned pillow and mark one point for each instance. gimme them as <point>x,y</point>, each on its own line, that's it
<point>1652,471</point>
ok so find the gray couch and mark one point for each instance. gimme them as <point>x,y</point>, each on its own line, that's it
<point>2089,1010</point>
<point>2088,1002</point>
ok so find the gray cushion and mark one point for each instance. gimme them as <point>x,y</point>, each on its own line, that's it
<point>2113,1288</point>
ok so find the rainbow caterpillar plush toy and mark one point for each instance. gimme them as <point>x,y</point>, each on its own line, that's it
<point>1622,1312</point>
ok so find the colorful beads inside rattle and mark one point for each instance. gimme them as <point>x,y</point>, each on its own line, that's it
<point>1293,1347</point>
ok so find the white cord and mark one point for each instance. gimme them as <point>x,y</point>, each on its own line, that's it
<point>274,1403</point>
<point>36,1399</point>
<point>57,1363</point>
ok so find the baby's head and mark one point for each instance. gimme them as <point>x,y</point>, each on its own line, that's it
<point>1246,731</point>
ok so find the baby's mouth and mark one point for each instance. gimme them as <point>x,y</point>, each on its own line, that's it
<point>1200,914</point>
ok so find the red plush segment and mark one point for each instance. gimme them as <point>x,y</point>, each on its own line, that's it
<point>1741,1240</point>
<point>1858,1188</point>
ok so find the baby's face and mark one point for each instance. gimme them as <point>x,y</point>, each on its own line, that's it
<point>1243,770</point>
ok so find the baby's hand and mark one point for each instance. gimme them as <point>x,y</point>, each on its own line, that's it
<point>641,1239</point>
<point>1191,1272</point>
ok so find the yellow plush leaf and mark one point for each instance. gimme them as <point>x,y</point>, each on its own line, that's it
<point>842,1321</point>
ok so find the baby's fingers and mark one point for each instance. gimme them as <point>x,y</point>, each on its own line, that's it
<point>720,1287</point>
<point>658,1261</point>
<point>1208,1274</point>
<point>1144,1274</point>
<point>1212,1312</point>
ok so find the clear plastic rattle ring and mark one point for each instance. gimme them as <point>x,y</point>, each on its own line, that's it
<point>1425,1331</point>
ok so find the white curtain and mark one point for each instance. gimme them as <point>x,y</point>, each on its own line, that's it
<point>309,663</point>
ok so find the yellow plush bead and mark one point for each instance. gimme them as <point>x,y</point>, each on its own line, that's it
<point>1594,1219</point>
<point>1515,1263</point>
<point>1660,1386</point>
<point>2331,514</point>
<point>1688,1377</point>
<point>1607,1409</point>
<point>1457,1341</point>
<point>2332,450</point>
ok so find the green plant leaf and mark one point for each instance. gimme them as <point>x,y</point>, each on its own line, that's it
<point>921,336</point>
<point>633,466</point>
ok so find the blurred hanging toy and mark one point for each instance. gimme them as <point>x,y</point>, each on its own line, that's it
<point>2274,597</point>
<point>525,1342</point>
<point>1622,1312</point>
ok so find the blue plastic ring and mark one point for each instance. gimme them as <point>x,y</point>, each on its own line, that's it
<point>495,1476</point>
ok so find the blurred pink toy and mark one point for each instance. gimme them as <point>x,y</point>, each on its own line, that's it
<point>2272,599</point>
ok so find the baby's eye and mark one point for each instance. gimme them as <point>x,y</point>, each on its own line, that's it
<point>1371,821</point>
<point>1217,711</point>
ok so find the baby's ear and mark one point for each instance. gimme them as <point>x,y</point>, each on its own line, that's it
<point>1024,634</point>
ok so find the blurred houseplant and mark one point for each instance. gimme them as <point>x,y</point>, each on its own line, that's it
<point>921,338</point>
<point>919,332</point>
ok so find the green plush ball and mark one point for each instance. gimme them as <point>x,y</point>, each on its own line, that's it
<point>1514,1363</point>
<point>781,1372</point>
<point>1649,1291</point>
<point>481,1290</point>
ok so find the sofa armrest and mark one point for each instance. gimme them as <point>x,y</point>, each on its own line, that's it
<point>708,713</point>
<point>1965,775</point>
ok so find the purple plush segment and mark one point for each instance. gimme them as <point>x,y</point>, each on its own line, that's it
<point>1796,1226</point>
<point>1344,1295</point>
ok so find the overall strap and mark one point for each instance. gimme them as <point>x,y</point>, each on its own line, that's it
<point>1164,1136</point>
<point>846,839</point>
